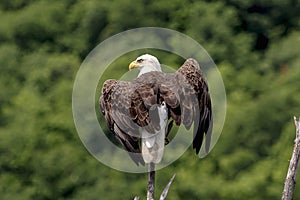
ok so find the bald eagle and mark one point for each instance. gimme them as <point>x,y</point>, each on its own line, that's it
<point>142,112</point>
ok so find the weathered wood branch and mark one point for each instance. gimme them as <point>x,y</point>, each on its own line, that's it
<point>151,185</point>
<point>151,181</point>
<point>290,180</point>
<point>166,190</point>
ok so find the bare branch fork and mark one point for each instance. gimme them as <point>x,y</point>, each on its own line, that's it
<point>151,184</point>
<point>290,180</point>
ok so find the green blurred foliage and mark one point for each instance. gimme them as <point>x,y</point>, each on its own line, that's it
<point>42,44</point>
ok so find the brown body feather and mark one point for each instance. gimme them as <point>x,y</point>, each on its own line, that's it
<point>127,106</point>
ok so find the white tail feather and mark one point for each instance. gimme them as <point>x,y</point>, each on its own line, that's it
<point>153,144</point>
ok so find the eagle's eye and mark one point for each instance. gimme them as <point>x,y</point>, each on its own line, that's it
<point>140,60</point>
<point>163,104</point>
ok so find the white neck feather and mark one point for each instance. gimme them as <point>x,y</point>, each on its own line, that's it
<point>147,69</point>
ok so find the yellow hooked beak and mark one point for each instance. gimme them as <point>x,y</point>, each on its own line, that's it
<point>133,65</point>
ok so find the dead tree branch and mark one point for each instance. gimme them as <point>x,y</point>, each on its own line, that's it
<point>166,190</point>
<point>290,180</point>
<point>151,181</point>
<point>151,185</point>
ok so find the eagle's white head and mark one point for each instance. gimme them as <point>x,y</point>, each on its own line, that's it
<point>146,63</point>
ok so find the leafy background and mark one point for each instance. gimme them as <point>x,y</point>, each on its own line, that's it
<point>256,45</point>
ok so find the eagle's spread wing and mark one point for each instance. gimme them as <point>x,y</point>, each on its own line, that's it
<point>129,105</point>
<point>193,74</point>
<point>114,105</point>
